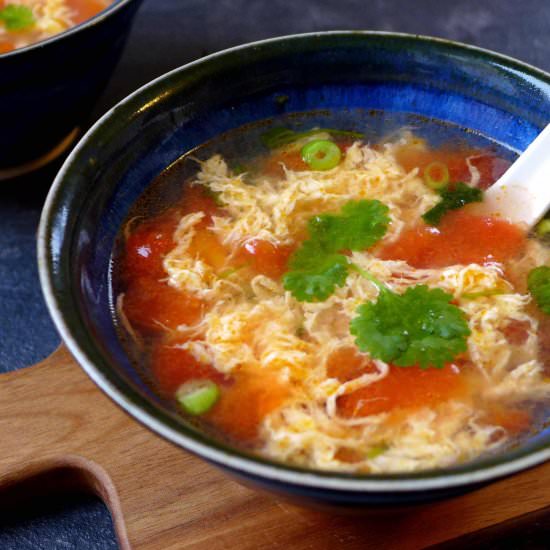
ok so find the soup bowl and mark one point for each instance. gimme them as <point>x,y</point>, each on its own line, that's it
<point>48,88</point>
<point>116,160</point>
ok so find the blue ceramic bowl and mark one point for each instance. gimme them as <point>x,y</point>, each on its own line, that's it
<point>116,160</point>
<point>47,89</point>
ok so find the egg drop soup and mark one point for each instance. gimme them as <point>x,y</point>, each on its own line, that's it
<point>322,292</point>
<point>24,22</point>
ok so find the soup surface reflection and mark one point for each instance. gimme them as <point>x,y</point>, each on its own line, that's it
<point>332,300</point>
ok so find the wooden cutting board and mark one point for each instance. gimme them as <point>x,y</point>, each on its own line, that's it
<point>57,428</point>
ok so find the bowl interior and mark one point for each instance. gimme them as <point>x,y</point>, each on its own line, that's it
<point>339,72</point>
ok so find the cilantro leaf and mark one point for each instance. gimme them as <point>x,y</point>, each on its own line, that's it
<point>359,225</point>
<point>452,199</point>
<point>17,17</point>
<point>279,136</point>
<point>316,268</point>
<point>538,282</point>
<point>315,273</point>
<point>419,327</point>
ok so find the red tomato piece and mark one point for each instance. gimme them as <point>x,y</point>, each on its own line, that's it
<point>347,363</point>
<point>490,168</point>
<point>85,9</point>
<point>513,421</point>
<point>405,388</point>
<point>291,159</point>
<point>6,46</point>
<point>264,257</point>
<point>516,332</point>
<point>173,367</point>
<point>197,198</point>
<point>461,238</point>
<point>243,405</point>
<point>153,306</point>
<point>208,248</point>
<point>152,240</point>
<point>147,246</point>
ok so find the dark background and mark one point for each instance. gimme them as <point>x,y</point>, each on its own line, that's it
<point>166,34</point>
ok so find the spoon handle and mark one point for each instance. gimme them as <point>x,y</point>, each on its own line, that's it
<point>522,194</point>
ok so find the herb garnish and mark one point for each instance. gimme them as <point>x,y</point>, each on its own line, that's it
<point>17,17</point>
<point>359,225</point>
<point>452,198</point>
<point>419,327</point>
<point>315,273</point>
<point>538,282</point>
<point>317,267</point>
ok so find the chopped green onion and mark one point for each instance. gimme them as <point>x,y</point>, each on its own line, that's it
<point>17,17</point>
<point>321,154</point>
<point>377,450</point>
<point>198,396</point>
<point>436,175</point>
<point>543,228</point>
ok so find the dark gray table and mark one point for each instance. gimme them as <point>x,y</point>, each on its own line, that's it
<point>169,33</point>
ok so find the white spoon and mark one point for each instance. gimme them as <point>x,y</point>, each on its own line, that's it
<point>522,194</point>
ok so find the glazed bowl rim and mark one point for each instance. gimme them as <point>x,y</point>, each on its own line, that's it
<point>140,407</point>
<point>92,21</point>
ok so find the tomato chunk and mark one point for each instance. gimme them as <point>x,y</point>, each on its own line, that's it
<point>196,198</point>
<point>206,246</point>
<point>490,168</point>
<point>6,46</point>
<point>174,366</point>
<point>291,159</point>
<point>85,9</point>
<point>461,238</point>
<point>512,420</point>
<point>347,363</point>
<point>404,387</point>
<point>153,306</point>
<point>147,246</point>
<point>243,405</point>
<point>264,257</point>
<point>516,332</point>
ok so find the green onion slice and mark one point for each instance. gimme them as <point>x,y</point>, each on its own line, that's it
<point>198,396</point>
<point>321,154</point>
<point>436,175</point>
<point>377,450</point>
<point>543,228</point>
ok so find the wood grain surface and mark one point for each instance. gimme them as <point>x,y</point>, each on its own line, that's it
<point>55,424</point>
